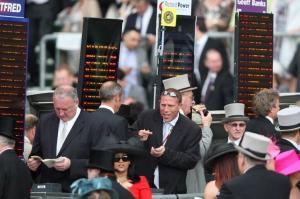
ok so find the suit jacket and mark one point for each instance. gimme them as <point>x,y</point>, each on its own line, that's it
<point>195,180</point>
<point>257,183</point>
<point>261,125</point>
<point>76,147</point>
<point>105,123</point>
<point>181,154</point>
<point>15,177</point>
<point>285,145</point>
<point>131,21</point>
<point>221,91</point>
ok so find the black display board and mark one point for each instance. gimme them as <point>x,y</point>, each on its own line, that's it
<point>178,50</point>
<point>99,58</point>
<point>13,62</point>
<point>253,55</point>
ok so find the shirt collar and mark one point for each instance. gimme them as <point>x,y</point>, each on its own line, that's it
<point>107,107</point>
<point>74,118</point>
<point>173,122</point>
<point>236,142</point>
<point>270,119</point>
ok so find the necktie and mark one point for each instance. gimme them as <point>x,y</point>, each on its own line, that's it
<point>209,88</point>
<point>61,138</point>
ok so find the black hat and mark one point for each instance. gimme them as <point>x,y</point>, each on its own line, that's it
<point>133,146</point>
<point>101,159</point>
<point>216,152</point>
<point>7,127</point>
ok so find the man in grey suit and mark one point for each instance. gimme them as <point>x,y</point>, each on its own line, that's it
<point>64,133</point>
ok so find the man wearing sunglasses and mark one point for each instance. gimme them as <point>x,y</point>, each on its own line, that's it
<point>235,122</point>
<point>172,141</point>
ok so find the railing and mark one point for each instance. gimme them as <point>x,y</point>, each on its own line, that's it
<point>46,195</point>
<point>44,75</point>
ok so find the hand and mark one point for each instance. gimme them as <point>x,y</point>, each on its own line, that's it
<point>151,39</point>
<point>63,165</point>
<point>206,120</point>
<point>157,152</point>
<point>144,134</point>
<point>33,164</point>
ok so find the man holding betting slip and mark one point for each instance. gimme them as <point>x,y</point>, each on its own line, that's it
<point>172,142</point>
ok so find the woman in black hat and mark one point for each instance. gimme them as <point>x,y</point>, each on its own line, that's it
<point>125,152</point>
<point>222,163</point>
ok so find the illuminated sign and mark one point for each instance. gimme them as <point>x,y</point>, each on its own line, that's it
<point>13,56</point>
<point>99,58</point>
<point>12,8</point>
<point>253,55</point>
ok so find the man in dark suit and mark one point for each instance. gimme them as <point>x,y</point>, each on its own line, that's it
<point>217,84</point>
<point>144,20</point>
<point>203,43</point>
<point>105,121</point>
<point>256,182</point>
<point>64,133</point>
<point>15,177</point>
<point>289,127</point>
<point>172,141</point>
<point>265,106</point>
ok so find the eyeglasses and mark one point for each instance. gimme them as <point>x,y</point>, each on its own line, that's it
<point>237,124</point>
<point>169,93</point>
<point>124,158</point>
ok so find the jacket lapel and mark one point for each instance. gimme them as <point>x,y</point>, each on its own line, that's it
<point>76,129</point>
<point>53,135</point>
<point>176,131</point>
<point>158,129</point>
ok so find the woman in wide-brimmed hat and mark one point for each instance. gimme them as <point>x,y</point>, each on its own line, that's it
<point>125,153</point>
<point>222,163</point>
<point>288,163</point>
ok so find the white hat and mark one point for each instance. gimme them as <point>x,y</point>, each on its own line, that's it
<point>180,83</point>
<point>254,145</point>
<point>288,119</point>
<point>235,112</point>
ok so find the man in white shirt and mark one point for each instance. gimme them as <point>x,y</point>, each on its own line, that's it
<point>65,134</point>
<point>235,122</point>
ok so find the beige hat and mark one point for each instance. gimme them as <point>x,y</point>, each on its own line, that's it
<point>288,119</point>
<point>180,83</point>
<point>254,145</point>
<point>235,112</point>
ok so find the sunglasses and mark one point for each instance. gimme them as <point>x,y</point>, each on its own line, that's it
<point>237,124</point>
<point>123,158</point>
<point>169,93</point>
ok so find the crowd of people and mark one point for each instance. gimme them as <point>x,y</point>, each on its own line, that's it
<point>100,153</point>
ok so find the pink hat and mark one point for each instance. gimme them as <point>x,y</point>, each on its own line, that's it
<point>287,162</point>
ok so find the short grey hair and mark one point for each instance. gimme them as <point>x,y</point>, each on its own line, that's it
<point>5,141</point>
<point>66,91</point>
<point>109,90</point>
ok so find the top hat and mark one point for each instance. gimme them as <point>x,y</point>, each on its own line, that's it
<point>133,146</point>
<point>7,127</point>
<point>218,151</point>
<point>288,119</point>
<point>83,187</point>
<point>287,162</point>
<point>101,159</point>
<point>235,112</point>
<point>180,83</point>
<point>254,145</point>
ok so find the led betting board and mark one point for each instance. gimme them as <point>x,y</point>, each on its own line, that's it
<point>178,51</point>
<point>253,55</point>
<point>13,56</point>
<point>99,58</point>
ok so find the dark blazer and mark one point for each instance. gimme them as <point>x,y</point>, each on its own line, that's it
<point>104,123</point>
<point>285,145</point>
<point>182,151</point>
<point>221,91</point>
<point>76,147</point>
<point>123,193</point>
<point>257,183</point>
<point>15,179</point>
<point>261,125</point>
<point>131,21</point>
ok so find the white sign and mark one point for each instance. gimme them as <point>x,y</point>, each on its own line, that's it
<point>183,7</point>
